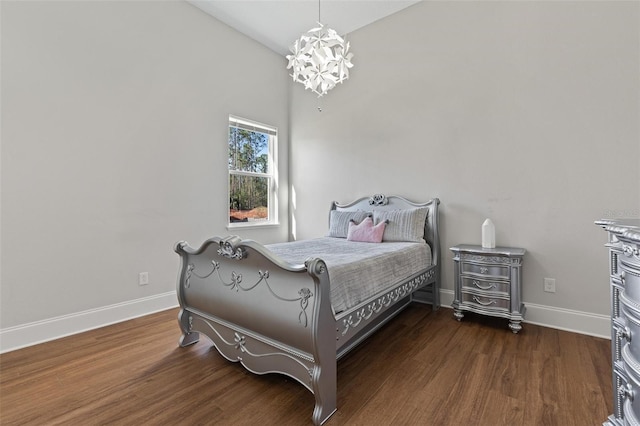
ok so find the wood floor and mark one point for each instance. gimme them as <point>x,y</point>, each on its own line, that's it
<point>423,368</point>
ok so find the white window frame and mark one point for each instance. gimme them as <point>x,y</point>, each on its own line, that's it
<point>272,174</point>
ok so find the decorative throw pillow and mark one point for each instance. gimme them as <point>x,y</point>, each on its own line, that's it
<point>339,221</point>
<point>404,225</point>
<point>365,231</point>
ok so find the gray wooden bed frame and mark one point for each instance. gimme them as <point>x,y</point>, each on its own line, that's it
<point>276,317</point>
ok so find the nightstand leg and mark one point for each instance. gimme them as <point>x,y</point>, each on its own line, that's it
<point>515,326</point>
<point>458,314</point>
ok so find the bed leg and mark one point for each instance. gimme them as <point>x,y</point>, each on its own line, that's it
<point>325,391</point>
<point>188,337</point>
<point>324,375</point>
<point>436,297</point>
<point>436,291</point>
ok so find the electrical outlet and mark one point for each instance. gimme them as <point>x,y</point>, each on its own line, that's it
<point>550,285</point>
<point>143,278</point>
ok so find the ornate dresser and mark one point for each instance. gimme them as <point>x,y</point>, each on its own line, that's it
<point>488,281</point>
<point>624,270</point>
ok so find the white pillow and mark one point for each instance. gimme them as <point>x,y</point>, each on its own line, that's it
<point>404,225</point>
<point>339,221</point>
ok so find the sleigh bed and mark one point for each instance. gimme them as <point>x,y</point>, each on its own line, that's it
<point>296,308</point>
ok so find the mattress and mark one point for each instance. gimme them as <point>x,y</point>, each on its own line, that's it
<point>358,270</point>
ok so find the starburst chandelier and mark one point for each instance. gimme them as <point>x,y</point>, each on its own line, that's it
<point>320,59</point>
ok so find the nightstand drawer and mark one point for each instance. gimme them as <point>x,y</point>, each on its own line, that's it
<point>485,302</point>
<point>485,270</point>
<point>495,287</point>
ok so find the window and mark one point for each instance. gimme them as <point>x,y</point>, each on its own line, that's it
<point>252,172</point>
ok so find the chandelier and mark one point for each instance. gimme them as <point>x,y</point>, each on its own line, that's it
<point>320,59</point>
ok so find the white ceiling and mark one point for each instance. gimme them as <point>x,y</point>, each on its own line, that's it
<point>278,23</point>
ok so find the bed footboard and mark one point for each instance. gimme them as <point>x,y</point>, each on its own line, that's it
<point>271,316</point>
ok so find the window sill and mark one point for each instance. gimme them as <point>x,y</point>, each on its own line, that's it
<point>245,225</point>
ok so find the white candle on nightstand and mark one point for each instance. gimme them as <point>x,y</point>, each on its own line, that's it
<point>488,234</point>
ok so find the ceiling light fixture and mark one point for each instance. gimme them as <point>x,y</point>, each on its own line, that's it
<point>320,59</point>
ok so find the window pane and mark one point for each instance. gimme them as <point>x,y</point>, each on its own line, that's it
<point>248,198</point>
<point>248,150</point>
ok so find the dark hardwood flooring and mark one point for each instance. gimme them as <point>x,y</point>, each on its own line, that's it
<point>423,368</point>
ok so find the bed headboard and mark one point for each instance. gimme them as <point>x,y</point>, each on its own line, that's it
<point>394,202</point>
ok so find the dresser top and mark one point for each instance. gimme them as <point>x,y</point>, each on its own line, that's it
<point>625,223</point>
<point>627,229</point>
<point>477,249</point>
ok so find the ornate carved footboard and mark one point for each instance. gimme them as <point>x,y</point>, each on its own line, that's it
<point>270,316</point>
<point>276,317</point>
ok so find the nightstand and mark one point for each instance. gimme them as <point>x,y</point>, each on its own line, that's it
<point>488,281</point>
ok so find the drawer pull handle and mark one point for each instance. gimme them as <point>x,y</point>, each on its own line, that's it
<point>484,270</point>
<point>489,287</point>
<point>623,274</point>
<point>626,392</point>
<point>630,251</point>
<point>490,302</point>
<point>625,333</point>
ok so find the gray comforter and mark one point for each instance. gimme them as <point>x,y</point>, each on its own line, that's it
<point>358,270</point>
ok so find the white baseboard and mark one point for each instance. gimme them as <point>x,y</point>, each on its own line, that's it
<point>569,320</point>
<point>21,336</point>
<point>559,318</point>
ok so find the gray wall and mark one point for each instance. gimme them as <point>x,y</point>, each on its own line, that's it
<point>507,110</point>
<point>114,139</point>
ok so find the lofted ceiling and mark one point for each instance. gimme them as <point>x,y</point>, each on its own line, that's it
<point>277,24</point>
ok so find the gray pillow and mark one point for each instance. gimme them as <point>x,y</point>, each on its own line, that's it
<point>404,225</point>
<point>339,221</point>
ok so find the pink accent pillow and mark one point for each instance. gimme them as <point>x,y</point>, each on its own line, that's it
<point>365,232</point>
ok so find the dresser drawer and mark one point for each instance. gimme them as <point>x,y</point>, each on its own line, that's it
<point>630,390</point>
<point>627,327</point>
<point>630,279</point>
<point>494,287</point>
<point>485,302</point>
<point>629,417</point>
<point>497,271</point>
